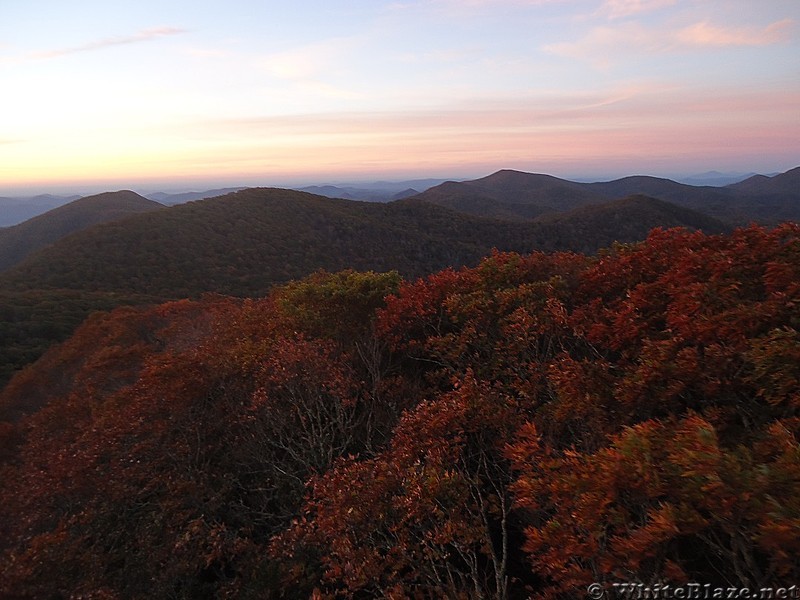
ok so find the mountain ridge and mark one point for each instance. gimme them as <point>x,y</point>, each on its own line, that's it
<point>717,187</point>
<point>519,195</point>
<point>246,242</point>
<point>786,182</point>
<point>19,241</point>
<point>270,235</point>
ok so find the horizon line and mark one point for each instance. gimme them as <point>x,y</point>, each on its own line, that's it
<point>174,186</point>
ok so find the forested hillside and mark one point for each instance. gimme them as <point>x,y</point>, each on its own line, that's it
<point>516,429</point>
<point>19,241</point>
<point>244,243</point>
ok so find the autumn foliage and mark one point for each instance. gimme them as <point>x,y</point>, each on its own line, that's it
<point>519,429</point>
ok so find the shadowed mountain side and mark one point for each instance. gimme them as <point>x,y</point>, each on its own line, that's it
<point>244,243</point>
<point>624,219</point>
<point>784,183</point>
<point>533,188</point>
<point>710,200</point>
<point>771,199</point>
<point>19,241</point>
<point>515,195</point>
<point>461,198</point>
<point>33,320</point>
<point>511,195</point>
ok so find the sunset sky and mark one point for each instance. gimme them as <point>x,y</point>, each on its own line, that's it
<point>171,94</point>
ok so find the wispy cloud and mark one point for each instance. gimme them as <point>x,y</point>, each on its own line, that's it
<point>706,34</point>
<point>602,45</point>
<point>141,36</point>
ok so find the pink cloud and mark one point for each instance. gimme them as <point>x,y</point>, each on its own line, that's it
<point>706,34</point>
<point>603,45</point>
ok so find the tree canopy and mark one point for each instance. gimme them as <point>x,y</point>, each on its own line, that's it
<point>517,429</point>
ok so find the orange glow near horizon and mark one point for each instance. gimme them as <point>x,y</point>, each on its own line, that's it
<point>608,137</point>
<point>593,88</point>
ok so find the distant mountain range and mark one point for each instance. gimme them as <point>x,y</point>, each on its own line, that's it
<point>522,196</point>
<point>14,210</point>
<point>506,195</point>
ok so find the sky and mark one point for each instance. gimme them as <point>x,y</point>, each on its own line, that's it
<point>173,94</point>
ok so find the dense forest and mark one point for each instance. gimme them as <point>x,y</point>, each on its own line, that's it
<point>516,429</point>
<point>245,243</point>
<point>18,242</point>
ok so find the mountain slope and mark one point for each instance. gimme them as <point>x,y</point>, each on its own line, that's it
<point>245,242</point>
<point>704,198</point>
<point>19,241</point>
<point>511,195</point>
<point>515,195</point>
<point>530,188</point>
<point>624,220</point>
<point>784,183</point>
<point>770,199</point>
